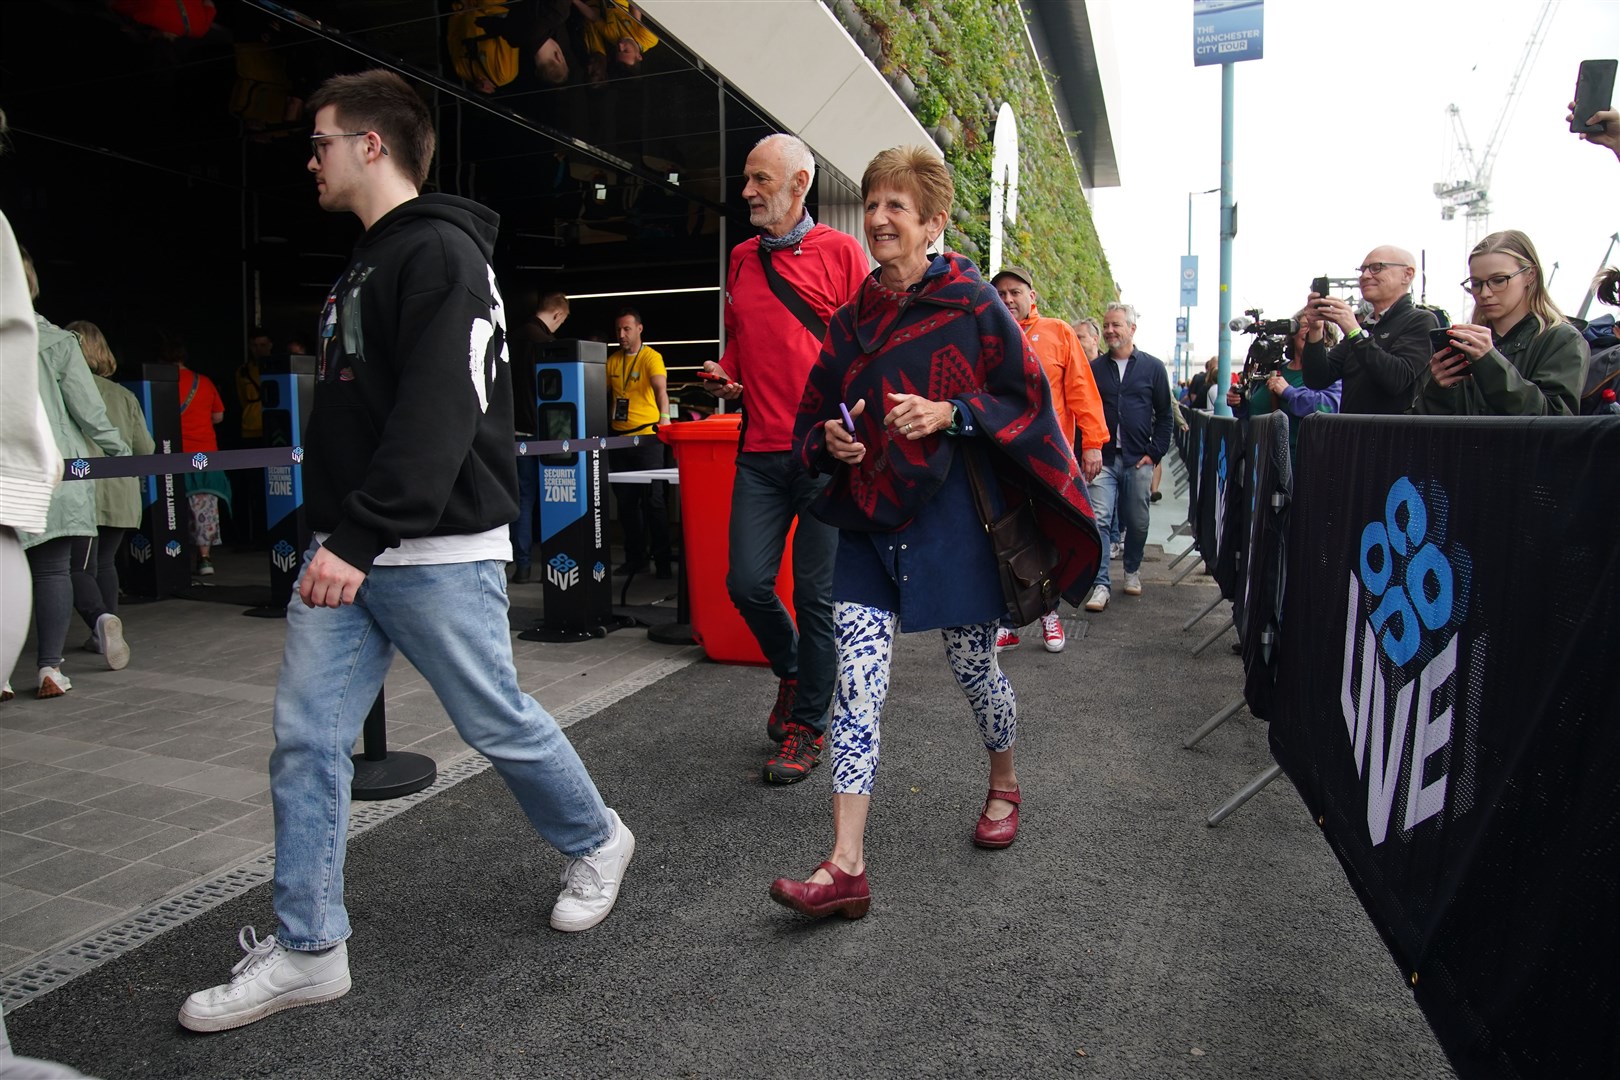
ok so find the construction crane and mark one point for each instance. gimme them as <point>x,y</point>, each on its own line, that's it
<point>1469,185</point>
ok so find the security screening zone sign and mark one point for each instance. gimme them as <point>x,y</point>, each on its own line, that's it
<point>1225,31</point>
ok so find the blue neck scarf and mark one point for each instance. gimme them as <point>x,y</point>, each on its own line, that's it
<point>777,243</point>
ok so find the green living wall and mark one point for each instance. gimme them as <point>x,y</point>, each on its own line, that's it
<point>954,62</point>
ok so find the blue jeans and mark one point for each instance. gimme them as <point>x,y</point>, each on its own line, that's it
<point>1125,485</point>
<point>528,470</point>
<point>450,621</point>
<point>770,489</point>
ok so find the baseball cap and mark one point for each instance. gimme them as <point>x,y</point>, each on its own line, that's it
<point>1016,271</point>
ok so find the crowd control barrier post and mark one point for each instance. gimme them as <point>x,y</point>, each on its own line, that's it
<point>379,774</point>
<point>1244,794</point>
<point>159,561</point>
<point>287,387</point>
<point>570,382</point>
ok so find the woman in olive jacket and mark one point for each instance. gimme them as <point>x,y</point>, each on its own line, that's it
<point>118,506</point>
<point>1519,357</point>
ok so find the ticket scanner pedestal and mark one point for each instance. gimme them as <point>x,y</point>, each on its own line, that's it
<point>159,562</point>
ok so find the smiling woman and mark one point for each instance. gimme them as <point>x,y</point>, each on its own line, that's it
<point>1519,357</point>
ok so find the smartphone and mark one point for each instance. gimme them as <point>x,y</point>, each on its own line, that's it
<point>849,421</point>
<point>1594,92</point>
<point>1319,285</point>
<point>1440,341</point>
<point>713,376</point>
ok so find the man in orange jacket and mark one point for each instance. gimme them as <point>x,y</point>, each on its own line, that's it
<point>1074,399</point>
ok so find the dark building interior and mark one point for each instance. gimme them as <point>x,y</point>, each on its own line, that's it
<point>159,180</point>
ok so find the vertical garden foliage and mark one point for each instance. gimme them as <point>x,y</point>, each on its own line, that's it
<point>954,62</point>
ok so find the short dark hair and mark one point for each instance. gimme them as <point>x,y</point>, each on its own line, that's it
<point>556,300</point>
<point>634,313</point>
<point>380,101</point>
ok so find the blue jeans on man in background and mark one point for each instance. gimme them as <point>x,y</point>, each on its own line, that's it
<point>450,622</point>
<point>1125,485</point>
<point>770,489</point>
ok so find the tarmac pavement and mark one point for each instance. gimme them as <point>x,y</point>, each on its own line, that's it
<point>1120,937</point>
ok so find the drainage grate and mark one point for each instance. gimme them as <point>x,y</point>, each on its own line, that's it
<point>56,970</point>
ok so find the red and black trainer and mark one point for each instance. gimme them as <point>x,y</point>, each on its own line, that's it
<point>787,692</point>
<point>799,753</point>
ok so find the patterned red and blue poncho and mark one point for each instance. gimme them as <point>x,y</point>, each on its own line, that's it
<point>949,339</point>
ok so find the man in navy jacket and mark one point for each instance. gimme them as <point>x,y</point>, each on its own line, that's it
<point>1135,390</point>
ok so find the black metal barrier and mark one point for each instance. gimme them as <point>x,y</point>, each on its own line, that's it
<point>1432,619</point>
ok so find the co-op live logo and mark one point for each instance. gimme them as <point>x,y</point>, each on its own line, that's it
<point>1405,622</point>
<point>562,571</point>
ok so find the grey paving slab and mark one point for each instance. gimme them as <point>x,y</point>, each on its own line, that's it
<point>194,747</point>
<point>165,836</point>
<point>25,771</point>
<point>209,851</point>
<point>146,801</point>
<point>44,749</point>
<point>141,739</point>
<point>260,825</point>
<point>14,901</point>
<point>66,872</point>
<point>104,757</point>
<point>73,786</point>
<point>11,800</point>
<point>60,920</point>
<point>17,851</point>
<point>209,814</point>
<point>224,782</point>
<point>153,769</point>
<point>96,830</point>
<point>132,884</point>
<point>37,814</point>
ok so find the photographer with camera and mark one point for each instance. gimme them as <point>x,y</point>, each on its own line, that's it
<point>1382,357</point>
<point>1274,379</point>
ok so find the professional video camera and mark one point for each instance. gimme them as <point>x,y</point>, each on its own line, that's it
<point>1268,352</point>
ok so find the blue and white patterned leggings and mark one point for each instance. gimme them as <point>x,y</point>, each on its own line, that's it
<point>865,651</point>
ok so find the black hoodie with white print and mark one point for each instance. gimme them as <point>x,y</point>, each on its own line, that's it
<point>411,432</point>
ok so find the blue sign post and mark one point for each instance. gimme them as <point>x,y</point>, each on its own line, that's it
<point>287,385</point>
<point>1189,281</point>
<point>1225,31</point>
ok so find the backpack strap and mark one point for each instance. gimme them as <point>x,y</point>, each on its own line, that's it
<point>796,304</point>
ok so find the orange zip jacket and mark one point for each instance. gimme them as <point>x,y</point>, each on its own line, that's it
<point>1074,390</point>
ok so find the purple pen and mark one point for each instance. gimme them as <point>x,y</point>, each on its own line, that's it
<point>849,421</point>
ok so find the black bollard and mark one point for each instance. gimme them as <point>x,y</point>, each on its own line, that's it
<point>379,774</point>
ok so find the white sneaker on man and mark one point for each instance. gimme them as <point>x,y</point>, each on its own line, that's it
<point>1006,639</point>
<point>1052,635</point>
<point>1098,598</point>
<point>1133,584</point>
<point>591,882</point>
<point>110,636</point>
<point>1116,552</point>
<point>270,978</point>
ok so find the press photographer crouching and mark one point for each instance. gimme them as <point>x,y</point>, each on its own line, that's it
<point>1518,357</point>
<point>1273,377</point>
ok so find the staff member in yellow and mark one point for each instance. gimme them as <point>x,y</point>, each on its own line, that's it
<point>638,401</point>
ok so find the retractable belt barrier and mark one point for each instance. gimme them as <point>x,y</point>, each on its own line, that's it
<point>157,465</point>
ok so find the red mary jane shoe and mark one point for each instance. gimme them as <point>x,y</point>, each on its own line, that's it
<point>848,894</point>
<point>997,834</point>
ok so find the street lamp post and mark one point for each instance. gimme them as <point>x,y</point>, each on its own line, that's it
<point>1184,353</point>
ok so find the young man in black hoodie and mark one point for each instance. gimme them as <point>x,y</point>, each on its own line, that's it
<point>410,482</point>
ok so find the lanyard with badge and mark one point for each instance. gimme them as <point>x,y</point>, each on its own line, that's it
<point>627,363</point>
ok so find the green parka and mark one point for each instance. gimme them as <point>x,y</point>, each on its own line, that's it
<point>1531,372</point>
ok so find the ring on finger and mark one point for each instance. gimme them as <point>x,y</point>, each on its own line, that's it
<point>907,428</point>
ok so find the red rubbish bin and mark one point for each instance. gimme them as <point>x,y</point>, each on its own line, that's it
<point>706,454</point>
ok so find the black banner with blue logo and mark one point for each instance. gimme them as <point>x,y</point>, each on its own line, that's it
<point>1258,605</point>
<point>1219,527</point>
<point>1191,443</point>
<point>1446,706</point>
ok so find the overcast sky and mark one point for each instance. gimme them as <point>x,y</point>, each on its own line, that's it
<point>1341,132</point>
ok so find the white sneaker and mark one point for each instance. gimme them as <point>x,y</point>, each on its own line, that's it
<point>1098,598</point>
<point>110,638</point>
<point>1116,552</point>
<point>7,694</point>
<point>1052,635</point>
<point>591,882</point>
<point>267,980</point>
<point>1006,639</point>
<point>52,683</point>
<point>1133,584</point>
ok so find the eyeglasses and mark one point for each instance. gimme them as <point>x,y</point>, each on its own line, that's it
<point>1378,268</point>
<point>317,143</point>
<point>1496,282</point>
